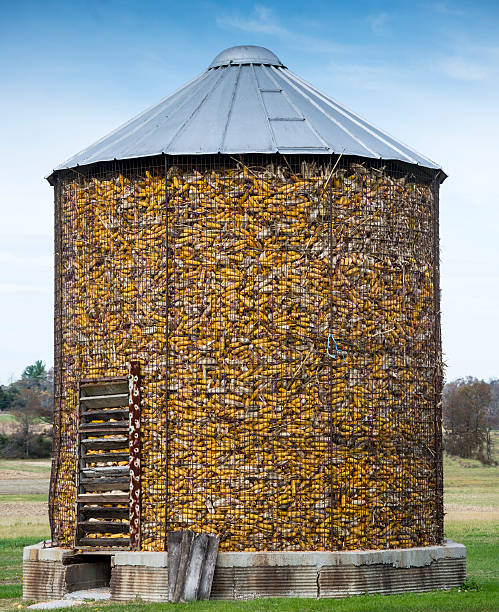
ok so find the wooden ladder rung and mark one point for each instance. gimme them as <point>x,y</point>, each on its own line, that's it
<point>103,512</point>
<point>103,527</point>
<point>103,401</point>
<point>100,457</point>
<point>103,542</point>
<point>110,498</point>
<point>103,428</point>
<point>105,443</point>
<point>110,413</point>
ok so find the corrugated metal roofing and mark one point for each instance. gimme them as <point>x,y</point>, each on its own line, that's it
<point>247,101</point>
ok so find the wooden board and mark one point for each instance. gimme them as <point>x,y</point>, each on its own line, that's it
<point>104,401</point>
<point>104,428</point>
<point>103,527</point>
<point>105,484</point>
<point>104,542</point>
<point>106,444</point>
<point>104,388</point>
<point>111,413</point>
<point>208,570</point>
<point>110,498</point>
<point>87,512</point>
<point>112,470</point>
<point>104,457</point>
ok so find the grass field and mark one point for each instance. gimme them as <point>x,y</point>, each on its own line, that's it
<point>472,518</point>
<point>31,466</point>
<point>5,417</point>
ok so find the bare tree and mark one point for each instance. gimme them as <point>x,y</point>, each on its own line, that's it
<point>27,409</point>
<point>466,408</point>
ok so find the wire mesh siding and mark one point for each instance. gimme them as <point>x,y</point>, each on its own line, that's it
<point>438,370</point>
<point>55,526</point>
<point>113,274</point>
<point>286,320</point>
<point>248,315</point>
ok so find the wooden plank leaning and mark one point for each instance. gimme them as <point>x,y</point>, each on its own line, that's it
<point>191,565</point>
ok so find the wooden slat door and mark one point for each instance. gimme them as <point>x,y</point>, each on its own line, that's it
<point>103,500</point>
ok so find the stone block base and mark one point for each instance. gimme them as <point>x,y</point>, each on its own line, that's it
<point>252,575</point>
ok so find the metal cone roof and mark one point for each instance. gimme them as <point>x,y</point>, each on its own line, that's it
<point>247,101</point>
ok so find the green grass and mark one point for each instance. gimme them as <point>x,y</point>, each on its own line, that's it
<point>11,555</point>
<point>36,466</point>
<point>5,417</point>
<point>10,591</point>
<point>470,484</point>
<point>467,484</point>
<point>24,498</point>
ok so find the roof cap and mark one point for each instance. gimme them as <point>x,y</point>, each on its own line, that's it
<point>246,54</point>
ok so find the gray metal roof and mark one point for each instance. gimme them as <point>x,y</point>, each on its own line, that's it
<point>247,101</point>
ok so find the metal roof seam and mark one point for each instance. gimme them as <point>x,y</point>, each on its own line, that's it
<point>357,120</point>
<point>330,117</point>
<point>260,97</point>
<point>309,124</point>
<point>231,106</point>
<point>193,113</point>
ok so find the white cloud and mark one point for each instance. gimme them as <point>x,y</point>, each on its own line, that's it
<point>464,69</point>
<point>444,9</point>
<point>263,21</point>
<point>378,22</point>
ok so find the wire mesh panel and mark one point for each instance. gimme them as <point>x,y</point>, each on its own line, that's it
<point>285,316</point>
<point>112,311</point>
<point>302,355</point>
<point>248,371</point>
<point>384,383</point>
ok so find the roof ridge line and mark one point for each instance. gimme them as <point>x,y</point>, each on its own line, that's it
<point>362,123</point>
<point>330,117</point>
<point>202,101</point>
<point>308,122</point>
<point>229,114</point>
<point>134,118</point>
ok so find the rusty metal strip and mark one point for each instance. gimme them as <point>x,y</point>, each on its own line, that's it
<point>78,467</point>
<point>134,448</point>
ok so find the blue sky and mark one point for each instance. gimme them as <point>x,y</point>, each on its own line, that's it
<point>426,72</point>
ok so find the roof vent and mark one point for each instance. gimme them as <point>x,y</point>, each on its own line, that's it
<point>246,54</point>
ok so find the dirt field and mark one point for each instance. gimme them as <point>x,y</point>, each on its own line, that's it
<point>19,477</point>
<point>36,512</point>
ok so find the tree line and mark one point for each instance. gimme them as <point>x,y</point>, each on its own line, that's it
<point>470,416</point>
<point>29,401</point>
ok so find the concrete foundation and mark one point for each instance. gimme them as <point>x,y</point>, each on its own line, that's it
<point>49,573</point>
